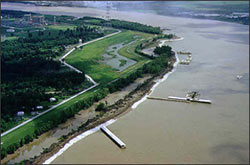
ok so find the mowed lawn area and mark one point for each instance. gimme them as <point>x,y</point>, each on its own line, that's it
<point>87,59</point>
<point>61,27</point>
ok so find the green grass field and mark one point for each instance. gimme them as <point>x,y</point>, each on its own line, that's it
<point>9,38</point>
<point>87,59</point>
<point>29,128</point>
<point>61,27</point>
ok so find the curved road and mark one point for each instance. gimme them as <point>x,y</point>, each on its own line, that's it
<point>64,101</point>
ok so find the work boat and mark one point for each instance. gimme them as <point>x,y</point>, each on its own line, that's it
<point>239,77</point>
<point>194,95</point>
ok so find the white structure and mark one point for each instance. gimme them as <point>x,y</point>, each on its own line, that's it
<point>113,137</point>
<point>52,99</point>
<point>27,17</point>
<point>39,107</point>
<point>80,41</point>
<point>20,113</point>
<point>3,37</point>
<point>239,77</point>
<point>10,30</point>
<point>54,20</point>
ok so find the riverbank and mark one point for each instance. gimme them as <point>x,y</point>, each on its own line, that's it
<point>160,132</point>
<point>114,111</point>
<point>47,139</point>
<point>111,114</point>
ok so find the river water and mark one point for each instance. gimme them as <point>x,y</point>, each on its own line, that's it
<point>172,132</point>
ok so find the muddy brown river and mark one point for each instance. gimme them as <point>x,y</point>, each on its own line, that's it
<point>173,132</point>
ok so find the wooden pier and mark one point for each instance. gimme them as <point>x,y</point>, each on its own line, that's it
<point>113,137</point>
<point>181,99</point>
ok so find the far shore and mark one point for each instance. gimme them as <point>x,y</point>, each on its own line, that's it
<point>94,12</point>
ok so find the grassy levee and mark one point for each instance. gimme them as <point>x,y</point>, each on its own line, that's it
<point>87,59</point>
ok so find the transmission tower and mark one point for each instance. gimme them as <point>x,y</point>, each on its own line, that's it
<point>108,5</point>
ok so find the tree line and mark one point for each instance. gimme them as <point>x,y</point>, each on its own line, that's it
<point>29,68</point>
<point>121,24</point>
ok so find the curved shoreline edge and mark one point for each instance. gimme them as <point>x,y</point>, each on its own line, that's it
<point>76,139</point>
<point>158,82</point>
<point>111,121</point>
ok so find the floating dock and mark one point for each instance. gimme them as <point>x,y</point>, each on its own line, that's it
<point>181,99</point>
<point>186,61</point>
<point>113,137</point>
<point>184,53</point>
<point>190,99</point>
<point>202,101</point>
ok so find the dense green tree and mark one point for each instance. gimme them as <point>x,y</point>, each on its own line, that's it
<point>28,139</point>
<point>163,50</point>
<point>3,153</point>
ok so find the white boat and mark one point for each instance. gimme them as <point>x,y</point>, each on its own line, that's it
<point>239,77</point>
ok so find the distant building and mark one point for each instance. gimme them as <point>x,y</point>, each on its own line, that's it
<point>27,17</point>
<point>39,107</point>
<point>3,37</point>
<point>20,113</point>
<point>38,19</point>
<point>52,99</point>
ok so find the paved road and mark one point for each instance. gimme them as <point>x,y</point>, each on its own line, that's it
<point>69,52</point>
<point>64,101</point>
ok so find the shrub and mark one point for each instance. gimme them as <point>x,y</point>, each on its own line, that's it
<point>101,107</point>
<point>21,143</point>
<point>11,149</point>
<point>27,139</point>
